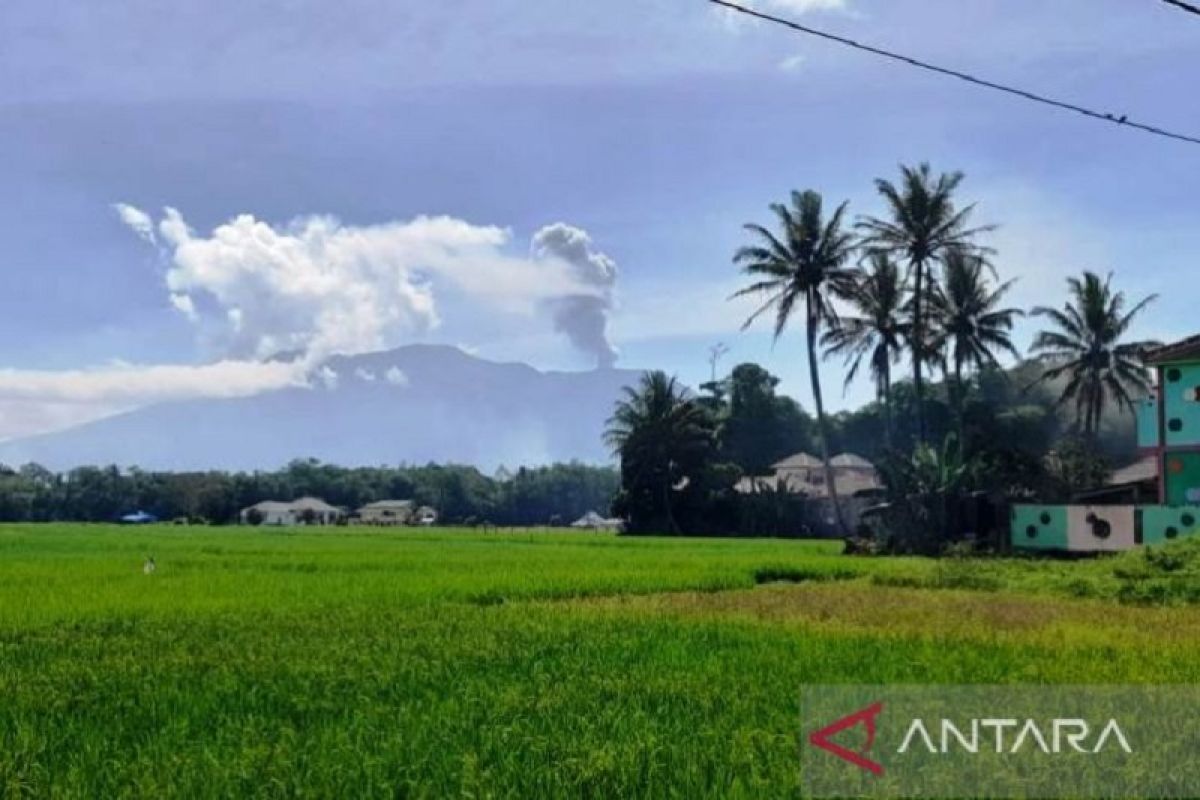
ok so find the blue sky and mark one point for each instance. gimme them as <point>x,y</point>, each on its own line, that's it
<point>657,127</point>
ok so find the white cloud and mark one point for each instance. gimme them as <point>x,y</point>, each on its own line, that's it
<point>327,377</point>
<point>365,375</point>
<point>184,305</point>
<point>320,287</point>
<point>140,384</point>
<point>792,63</point>
<point>315,288</point>
<point>139,221</point>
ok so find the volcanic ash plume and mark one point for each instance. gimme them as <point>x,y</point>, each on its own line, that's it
<point>582,317</point>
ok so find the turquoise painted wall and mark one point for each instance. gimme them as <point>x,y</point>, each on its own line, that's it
<point>1039,527</point>
<point>1181,395</point>
<point>1147,422</point>
<point>1182,475</point>
<point>1161,524</point>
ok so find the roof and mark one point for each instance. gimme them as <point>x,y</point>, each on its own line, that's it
<point>847,484</point>
<point>805,461</point>
<point>303,504</point>
<point>798,461</point>
<point>851,460</point>
<point>1145,469</point>
<point>270,505</point>
<point>593,520</point>
<point>382,505</point>
<point>311,503</point>
<point>1184,350</point>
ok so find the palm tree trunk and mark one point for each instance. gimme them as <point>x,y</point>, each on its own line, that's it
<point>666,497</point>
<point>918,347</point>
<point>822,423</point>
<point>959,397</point>
<point>887,406</point>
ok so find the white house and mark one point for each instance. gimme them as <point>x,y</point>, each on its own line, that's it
<point>855,479</point>
<point>304,511</point>
<point>591,521</point>
<point>386,512</point>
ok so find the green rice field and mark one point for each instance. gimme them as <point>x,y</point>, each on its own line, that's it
<point>450,663</point>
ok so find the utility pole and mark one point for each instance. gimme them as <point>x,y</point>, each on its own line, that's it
<point>715,354</point>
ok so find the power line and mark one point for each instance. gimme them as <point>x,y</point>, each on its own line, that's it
<point>962,76</point>
<point>1188,7</point>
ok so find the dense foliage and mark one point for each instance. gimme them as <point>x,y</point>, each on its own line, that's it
<point>803,267</point>
<point>914,284</point>
<point>530,496</point>
<point>1084,345</point>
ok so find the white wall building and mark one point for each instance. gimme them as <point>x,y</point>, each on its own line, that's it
<point>304,511</point>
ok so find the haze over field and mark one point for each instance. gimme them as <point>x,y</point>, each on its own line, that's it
<point>415,404</point>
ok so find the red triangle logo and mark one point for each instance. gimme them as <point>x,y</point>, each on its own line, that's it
<point>823,738</point>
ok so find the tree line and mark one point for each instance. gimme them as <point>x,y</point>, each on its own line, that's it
<point>919,284</point>
<point>555,494</point>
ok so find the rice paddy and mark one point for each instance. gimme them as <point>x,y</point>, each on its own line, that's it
<point>435,663</point>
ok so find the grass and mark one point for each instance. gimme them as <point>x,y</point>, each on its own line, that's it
<point>356,663</point>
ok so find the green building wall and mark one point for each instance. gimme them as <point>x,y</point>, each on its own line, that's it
<point>1181,472</point>
<point>1039,527</point>
<point>1181,404</point>
<point>1147,422</point>
<point>1162,524</point>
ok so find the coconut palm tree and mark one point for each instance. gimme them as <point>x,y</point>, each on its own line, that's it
<point>967,324</point>
<point>803,265</point>
<point>877,330</point>
<point>661,435</point>
<point>1084,346</point>
<point>924,225</point>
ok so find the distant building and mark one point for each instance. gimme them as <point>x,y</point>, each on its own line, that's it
<point>304,511</point>
<point>591,521</point>
<point>855,479</point>
<point>1150,502</point>
<point>139,518</point>
<point>425,515</point>
<point>386,512</point>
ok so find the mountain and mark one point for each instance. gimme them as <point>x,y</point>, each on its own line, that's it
<point>414,404</point>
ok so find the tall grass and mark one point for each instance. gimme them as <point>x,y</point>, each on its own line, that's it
<point>440,663</point>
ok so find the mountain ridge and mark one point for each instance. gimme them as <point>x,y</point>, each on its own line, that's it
<point>414,404</point>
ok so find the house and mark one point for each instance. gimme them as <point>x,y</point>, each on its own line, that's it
<point>138,518</point>
<point>854,478</point>
<point>1152,501</point>
<point>304,511</point>
<point>591,521</point>
<point>268,512</point>
<point>805,474</point>
<point>1134,484</point>
<point>386,512</point>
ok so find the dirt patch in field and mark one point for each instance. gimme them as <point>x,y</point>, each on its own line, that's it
<point>785,575</point>
<point>927,613</point>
